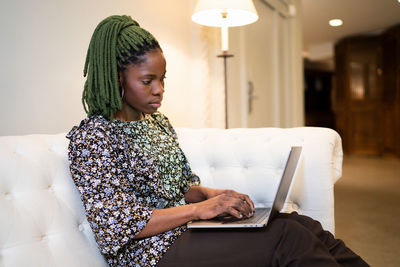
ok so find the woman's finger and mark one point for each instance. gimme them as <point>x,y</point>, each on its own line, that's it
<point>236,206</point>
<point>244,208</point>
<point>234,212</point>
<point>249,201</point>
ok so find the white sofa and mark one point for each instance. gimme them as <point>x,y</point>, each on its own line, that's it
<point>42,221</point>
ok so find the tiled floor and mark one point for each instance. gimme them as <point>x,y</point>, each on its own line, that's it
<point>367,208</point>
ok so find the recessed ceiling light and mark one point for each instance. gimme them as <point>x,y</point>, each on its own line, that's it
<point>336,22</point>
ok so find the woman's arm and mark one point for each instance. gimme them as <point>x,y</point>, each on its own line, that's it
<point>196,194</point>
<point>217,202</point>
<point>200,193</point>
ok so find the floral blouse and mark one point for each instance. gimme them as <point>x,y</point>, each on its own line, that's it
<point>123,171</point>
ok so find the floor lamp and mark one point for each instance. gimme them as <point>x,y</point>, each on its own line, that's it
<point>224,14</point>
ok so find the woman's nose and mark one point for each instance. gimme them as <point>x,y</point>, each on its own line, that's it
<point>158,88</point>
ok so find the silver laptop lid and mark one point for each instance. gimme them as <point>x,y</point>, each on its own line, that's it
<point>286,180</point>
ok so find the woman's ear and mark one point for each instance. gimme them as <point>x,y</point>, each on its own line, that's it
<point>120,83</point>
<point>120,79</point>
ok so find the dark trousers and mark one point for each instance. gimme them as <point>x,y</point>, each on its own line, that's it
<point>290,240</point>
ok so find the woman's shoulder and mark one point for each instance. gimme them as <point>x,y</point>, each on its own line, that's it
<point>161,119</point>
<point>90,127</point>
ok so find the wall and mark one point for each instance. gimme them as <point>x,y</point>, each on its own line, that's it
<point>43,48</point>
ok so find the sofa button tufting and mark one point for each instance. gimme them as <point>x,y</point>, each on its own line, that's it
<point>7,195</point>
<point>50,188</point>
<point>80,227</point>
<point>19,152</point>
<point>53,149</point>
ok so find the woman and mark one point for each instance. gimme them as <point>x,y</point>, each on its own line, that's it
<point>136,183</point>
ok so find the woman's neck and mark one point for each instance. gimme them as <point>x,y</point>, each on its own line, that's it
<point>122,115</point>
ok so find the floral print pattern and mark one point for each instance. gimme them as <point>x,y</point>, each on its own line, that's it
<point>123,171</point>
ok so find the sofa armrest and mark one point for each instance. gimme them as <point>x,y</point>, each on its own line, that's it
<point>42,220</point>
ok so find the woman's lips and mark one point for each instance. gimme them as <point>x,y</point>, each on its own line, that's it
<point>155,104</point>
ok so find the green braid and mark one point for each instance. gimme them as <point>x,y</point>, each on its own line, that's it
<point>116,42</point>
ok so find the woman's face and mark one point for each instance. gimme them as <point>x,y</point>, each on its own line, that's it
<point>143,86</point>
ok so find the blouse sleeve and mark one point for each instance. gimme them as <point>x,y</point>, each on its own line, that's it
<point>112,211</point>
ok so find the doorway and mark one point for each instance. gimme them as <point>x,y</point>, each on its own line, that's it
<point>265,83</point>
<point>318,80</point>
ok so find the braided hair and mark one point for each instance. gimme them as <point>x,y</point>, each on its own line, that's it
<point>116,42</point>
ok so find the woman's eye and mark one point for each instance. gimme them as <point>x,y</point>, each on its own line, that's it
<point>146,82</point>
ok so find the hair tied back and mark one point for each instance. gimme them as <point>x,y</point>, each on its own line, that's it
<point>116,42</point>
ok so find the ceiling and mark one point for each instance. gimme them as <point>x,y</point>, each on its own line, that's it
<point>359,17</point>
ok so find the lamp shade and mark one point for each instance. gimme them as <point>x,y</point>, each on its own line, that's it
<point>219,13</point>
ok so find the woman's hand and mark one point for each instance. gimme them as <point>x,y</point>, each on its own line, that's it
<point>201,193</point>
<point>224,201</point>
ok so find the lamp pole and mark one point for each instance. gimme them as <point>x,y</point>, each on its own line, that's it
<point>224,14</point>
<point>225,55</point>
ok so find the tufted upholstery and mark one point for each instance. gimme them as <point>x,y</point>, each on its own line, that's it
<point>42,221</point>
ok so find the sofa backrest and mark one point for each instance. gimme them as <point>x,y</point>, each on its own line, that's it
<point>252,160</point>
<point>42,221</point>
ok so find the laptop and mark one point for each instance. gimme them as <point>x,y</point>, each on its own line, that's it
<point>262,216</point>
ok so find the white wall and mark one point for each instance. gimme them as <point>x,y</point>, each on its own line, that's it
<point>42,52</point>
<point>43,48</point>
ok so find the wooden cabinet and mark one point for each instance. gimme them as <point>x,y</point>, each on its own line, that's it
<point>366,93</point>
<point>357,95</point>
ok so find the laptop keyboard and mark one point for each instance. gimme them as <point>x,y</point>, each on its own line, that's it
<point>259,215</point>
